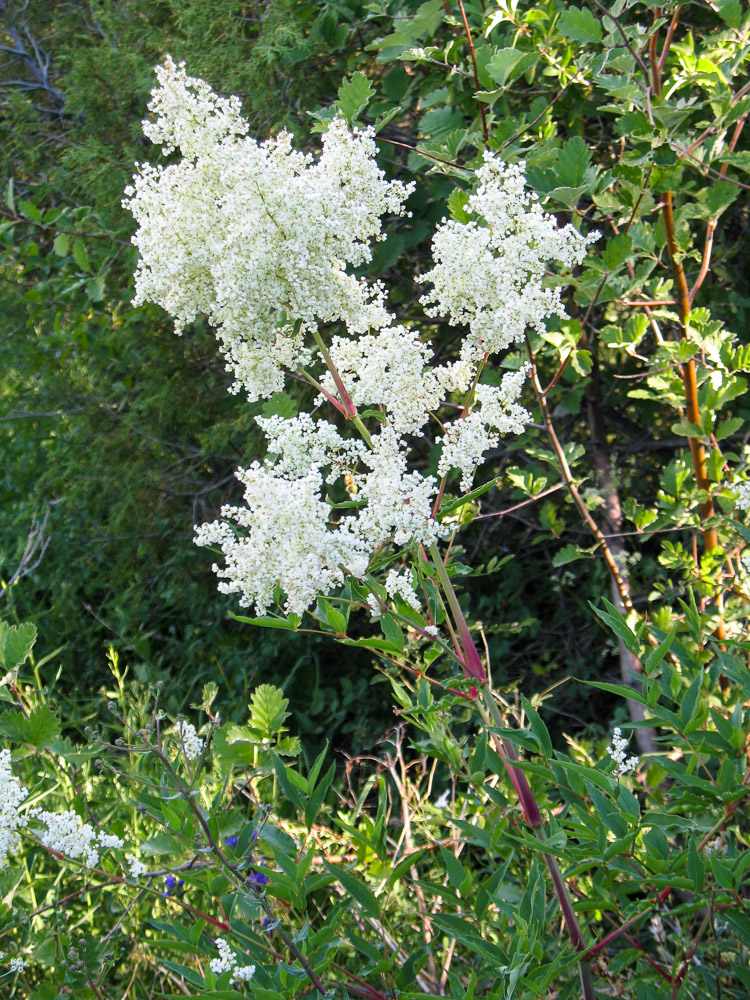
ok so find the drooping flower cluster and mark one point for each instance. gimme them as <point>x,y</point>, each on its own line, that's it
<point>227,961</point>
<point>259,237</point>
<point>256,236</point>
<point>12,794</point>
<point>67,833</point>
<point>616,751</point>
<point>190,742</point>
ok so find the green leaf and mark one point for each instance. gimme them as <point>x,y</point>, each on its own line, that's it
<point>317,796</point>
<point>501,65</point>
<point>537,727</point>
<point>392,631</point>
<point>40,728</point>
<point>618,249</point>
<point>354,96</point>
<point>618,624</point>
<point>29,211</point>
<point>567,554</point>
<point>572,162</point>
<point>268,621</point>
<point>80,256</point>
<point>730,11</point>
<point>621,689</point>
<point>16,643</point>
<point>580,25</point>
<point>356,889</point>
<point>687,429</point>
<point>61,245</point>
<point>268,709</point>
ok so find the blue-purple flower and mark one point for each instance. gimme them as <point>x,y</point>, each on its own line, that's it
<point>231,841</point>
<point>171,882</point>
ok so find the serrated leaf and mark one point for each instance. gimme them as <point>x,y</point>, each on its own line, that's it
<point>580,25</point>
<point>354,95</point>
<point>268,709</point>
<point>80,256</point>
<point>617,251</point>
<point>687,429</point>
<point>567,554</point>
<point>61,245</point>
<point>572,162</point>
<point>501,65</point>
<point>39,729</point>
<point>16,643</point>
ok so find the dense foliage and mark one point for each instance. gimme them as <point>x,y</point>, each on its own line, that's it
<point>626,565</point>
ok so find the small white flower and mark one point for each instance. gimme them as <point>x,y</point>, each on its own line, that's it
<point>244,974</point>
<point>12,794</point>
<point>137,868</point>
<point>616,751</point>
<point>375,609</point>
<point>227,961</point>
<point>67,833</point>
<point>400,584</point>
<point>743,495</point>
<point>17,964</point>
<point>432,630</point>
<point>190,742</point>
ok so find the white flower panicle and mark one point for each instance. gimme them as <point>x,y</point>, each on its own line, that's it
<point>190,742</point>
<point>67,833</point>
<point>291,537</point>
<point>12,794</point>
<point>17,964</point>
<point>616,751</point>
<point>491,275</point>
<point>261,239</point>
<point>256,236</point>
<point>288,542</point>
<point>468,438</point>
<point>227,961</point>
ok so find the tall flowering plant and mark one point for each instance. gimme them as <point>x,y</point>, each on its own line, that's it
<point>260,239</point>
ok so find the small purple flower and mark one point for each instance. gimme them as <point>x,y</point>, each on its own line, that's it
<point>258,879</point>
<point>254,837</point>
<point>171,883</point>
<point>266,924</point>
<point>231,841</point>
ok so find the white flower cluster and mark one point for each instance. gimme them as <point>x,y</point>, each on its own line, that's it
<point>190,742</point>
<point>616,751</point>
<point>491,276</point>
<point>12,794</point>
<point>227,961</point>
<point>743,495</point>
<point>135,866</point>
<point>259,238</point>
<point>294,538</point>
<point>17,964</point>
<point>256,236</point>
<point>400,584</point>
<point>69,835</point>
<point>468,438</point>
